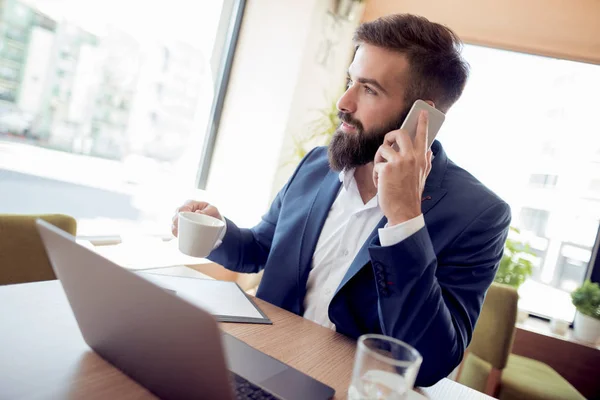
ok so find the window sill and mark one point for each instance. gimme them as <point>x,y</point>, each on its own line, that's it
<point>542,327</point>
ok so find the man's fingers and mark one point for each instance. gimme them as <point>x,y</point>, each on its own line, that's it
<point>175,219</point>
<point>399,138</point>
<point>377,168</point>
<point>385,153</point>
<point>194,205</point>
<point>375,178</point>
<point>421,139</point>
<point>175,227</point>
<point>378,157</point>
<point>180,209</point>
<point>390,137</point>
<point>188,206</point>
<point>429,165</point>
<point>210,211</point>
<point>404,142</point>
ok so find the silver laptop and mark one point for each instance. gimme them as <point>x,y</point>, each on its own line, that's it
<point>172,347</point>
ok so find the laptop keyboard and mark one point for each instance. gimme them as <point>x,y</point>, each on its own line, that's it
<point>245,390</point>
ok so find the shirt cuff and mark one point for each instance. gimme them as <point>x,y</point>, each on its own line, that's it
<point>389,236</point>
<point>220,240</point>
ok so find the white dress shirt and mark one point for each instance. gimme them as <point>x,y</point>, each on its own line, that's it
<point>348,225</point>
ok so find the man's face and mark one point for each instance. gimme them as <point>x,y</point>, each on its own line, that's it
<point>372,106</point>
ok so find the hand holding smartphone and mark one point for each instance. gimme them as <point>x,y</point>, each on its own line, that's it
<point>399,174</point>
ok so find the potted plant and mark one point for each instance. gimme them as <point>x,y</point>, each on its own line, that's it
<point>516,264</point>
<point>587,319</point>
<point>321,130</point>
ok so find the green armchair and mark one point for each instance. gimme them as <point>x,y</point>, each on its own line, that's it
<point>489,367</point>
<point>22,254</point>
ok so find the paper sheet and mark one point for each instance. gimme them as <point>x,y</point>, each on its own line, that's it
<point>225,300</point>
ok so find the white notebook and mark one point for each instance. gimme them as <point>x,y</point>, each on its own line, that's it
<point>226,301</point>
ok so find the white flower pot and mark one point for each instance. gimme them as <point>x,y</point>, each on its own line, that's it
<point>587,329</point>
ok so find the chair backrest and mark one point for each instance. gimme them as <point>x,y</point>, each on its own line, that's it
<point>495,330</point>
<point>22,254</point>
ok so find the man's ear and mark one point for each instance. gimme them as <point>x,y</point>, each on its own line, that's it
<point>431,103</point>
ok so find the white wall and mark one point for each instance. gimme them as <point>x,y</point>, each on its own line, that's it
<point>275,86</point>
<point>327,55</point>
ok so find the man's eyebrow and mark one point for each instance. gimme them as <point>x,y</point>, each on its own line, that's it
<point>370,82</point>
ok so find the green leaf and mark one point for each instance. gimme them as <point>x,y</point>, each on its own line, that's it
<point>586,299</point>
<point>320,131</point>
<point>516,265</point>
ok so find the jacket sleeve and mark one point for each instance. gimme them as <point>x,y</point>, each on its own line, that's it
<point>433,304</point>
<point>247,250</point>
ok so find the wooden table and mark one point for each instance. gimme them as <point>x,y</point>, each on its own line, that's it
<point>43,356</point>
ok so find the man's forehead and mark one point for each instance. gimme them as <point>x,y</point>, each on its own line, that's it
<point>386,66</point>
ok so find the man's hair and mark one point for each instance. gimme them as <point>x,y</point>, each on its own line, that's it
<point>437,70</point>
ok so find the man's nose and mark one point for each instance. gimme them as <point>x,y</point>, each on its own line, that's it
<point>347,103</point>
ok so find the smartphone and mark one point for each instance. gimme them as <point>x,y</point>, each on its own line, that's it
<point>436,119</point>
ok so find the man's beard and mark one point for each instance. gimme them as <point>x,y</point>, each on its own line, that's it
<point>351,150</point>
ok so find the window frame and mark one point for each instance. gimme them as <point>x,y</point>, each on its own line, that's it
<point>229,38</point>
<point>594,265</point>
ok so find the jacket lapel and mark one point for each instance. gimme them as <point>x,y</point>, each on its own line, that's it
<point>430,198</point>
<point>432,194</point>
<point>363,257</point>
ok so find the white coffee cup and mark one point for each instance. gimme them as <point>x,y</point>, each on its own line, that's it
<point>559,326</point>
<point>198,233</point>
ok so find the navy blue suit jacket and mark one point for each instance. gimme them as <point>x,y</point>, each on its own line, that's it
<point>426,290</point>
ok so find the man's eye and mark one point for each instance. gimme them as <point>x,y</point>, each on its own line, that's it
<point>369,90</point>
<point>348,82</point>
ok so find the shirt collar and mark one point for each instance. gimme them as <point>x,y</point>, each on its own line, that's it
<point>346,177</point>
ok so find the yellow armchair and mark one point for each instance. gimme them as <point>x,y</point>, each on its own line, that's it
<point>22,254</point>
<point>489,366</point>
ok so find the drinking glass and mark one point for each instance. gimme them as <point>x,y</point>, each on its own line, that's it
<point>384,369</point>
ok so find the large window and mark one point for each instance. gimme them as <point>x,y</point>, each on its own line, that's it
<point>105,105</point>
<point>526,127</point>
